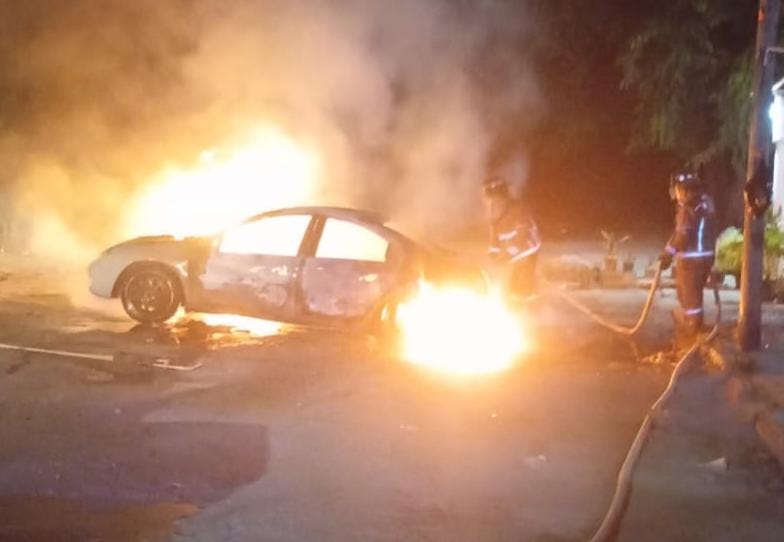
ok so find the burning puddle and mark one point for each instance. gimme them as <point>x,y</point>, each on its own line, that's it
<point>449,331</point>
<point>118,351</point>
<point>212,330</point>
<point>207,330</point>
<point>182,343</point>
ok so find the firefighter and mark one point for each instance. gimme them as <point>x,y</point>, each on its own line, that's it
<point>691,247</point>
<point>514,238</point>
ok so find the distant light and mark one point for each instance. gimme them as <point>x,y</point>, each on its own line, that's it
<point>776,115</point>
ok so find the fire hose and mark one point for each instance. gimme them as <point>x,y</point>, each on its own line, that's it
<point>629,331</point>
<point>611,522</point>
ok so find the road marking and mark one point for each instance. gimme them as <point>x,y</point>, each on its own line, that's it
<point>158,363</point>
<point>61,353</point>
<point>165,363</point>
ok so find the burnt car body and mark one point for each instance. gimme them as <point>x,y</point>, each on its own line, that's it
<point>303,265</point>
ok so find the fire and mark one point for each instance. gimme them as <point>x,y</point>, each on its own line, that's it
<point>269,171</point>
<point>449,329</point>
<point>254,326</point>
<point>460,331</point>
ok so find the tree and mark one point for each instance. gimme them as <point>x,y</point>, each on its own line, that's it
<point>578,151</point>
<point>689,65</point>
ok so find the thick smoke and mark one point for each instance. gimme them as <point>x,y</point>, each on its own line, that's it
<point>409,102</point>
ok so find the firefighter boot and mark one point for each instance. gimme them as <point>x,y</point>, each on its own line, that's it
<point>687,330</point>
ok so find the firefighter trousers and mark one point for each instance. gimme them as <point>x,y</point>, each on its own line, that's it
<point>691,277</point>
<point>522,278</point>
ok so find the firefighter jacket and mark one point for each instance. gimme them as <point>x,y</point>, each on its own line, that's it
<point>695,230</point>
<point>515,235</point>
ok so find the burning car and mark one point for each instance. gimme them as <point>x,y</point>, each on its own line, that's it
<point>305,265</point>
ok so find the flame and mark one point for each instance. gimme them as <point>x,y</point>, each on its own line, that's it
<point>453,330</point>
<point>269,171</point>
<point>254,326</point>
<point>460,331</point>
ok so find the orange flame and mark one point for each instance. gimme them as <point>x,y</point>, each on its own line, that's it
<point>253,326</point>
<point>453,330</point>
<point>460,331</point>
<point>270,171</point>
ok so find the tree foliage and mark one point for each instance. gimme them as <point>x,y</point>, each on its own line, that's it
<point>690,66</point>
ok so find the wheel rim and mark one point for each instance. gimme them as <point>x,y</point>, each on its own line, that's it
<point>149,294</point>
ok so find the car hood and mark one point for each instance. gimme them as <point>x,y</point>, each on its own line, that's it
<point>159,242</point>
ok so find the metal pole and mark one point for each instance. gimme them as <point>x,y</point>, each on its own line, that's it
<point>750,321</point>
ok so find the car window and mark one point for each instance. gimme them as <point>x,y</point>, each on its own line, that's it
<point>271,236</point>
<point>342,240</point>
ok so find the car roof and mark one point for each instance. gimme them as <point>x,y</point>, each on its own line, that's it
<point>364,217</point>
<point>344,213</point>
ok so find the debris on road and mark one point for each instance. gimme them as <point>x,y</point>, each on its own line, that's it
<point>148,360</point>
<point>719,465</point>
<point>165,363</point>
<point>157,362</point>
<point>99,377</point>
<point>60,353</point>
<point>14,368</point>
<point>659,358</point>
<point>536,462</point>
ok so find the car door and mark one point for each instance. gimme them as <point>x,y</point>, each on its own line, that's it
<point>254,267</point>
<point>351,268</point>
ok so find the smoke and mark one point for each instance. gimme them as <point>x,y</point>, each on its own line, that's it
<point>409,103</point>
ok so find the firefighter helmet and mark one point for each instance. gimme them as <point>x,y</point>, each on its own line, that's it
<point>688,180</point>
<point>495,186</point>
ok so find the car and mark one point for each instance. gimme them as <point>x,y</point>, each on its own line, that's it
<point>325,266</point>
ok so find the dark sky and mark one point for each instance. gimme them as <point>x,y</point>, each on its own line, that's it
<point>584,177</point>
<point>583,173</point>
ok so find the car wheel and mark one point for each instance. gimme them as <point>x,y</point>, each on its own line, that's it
<point>150,294</point>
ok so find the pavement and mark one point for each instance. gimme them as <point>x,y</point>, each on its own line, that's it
<point>309,435</point>
<point>704,474</point>
<point>758,381</point>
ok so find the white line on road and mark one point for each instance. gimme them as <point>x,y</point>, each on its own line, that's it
<point>159,363</point>
<point>61,353</point>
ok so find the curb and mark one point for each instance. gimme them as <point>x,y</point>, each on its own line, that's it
<point>744,395</point>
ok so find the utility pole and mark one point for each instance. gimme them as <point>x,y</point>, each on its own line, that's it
<point>750,321</point>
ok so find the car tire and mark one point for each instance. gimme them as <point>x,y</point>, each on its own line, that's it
<point>150,294</point>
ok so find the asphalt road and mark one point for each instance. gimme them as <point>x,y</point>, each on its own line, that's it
<point>306,435</point>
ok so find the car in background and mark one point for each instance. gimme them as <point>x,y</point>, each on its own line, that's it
<point>328,266</point>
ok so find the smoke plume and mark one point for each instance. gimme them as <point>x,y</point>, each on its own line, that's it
<point>409,103</point>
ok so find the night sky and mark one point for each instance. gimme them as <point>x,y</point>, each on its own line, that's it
<point>582,157</point>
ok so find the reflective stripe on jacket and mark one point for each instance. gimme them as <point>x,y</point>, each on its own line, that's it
<point>515,235</point>
<point>695,230</point>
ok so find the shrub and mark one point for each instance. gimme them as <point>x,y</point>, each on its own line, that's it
<point>729,251</point>
<point>729,248</point>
